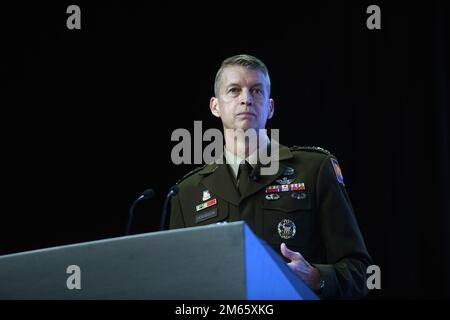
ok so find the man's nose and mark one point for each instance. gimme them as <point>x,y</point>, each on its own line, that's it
<point>246,98</point>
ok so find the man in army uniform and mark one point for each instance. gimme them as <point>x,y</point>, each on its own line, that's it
<point>303,210</point>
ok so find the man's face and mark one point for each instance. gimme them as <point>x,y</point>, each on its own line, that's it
<point>243,100</point>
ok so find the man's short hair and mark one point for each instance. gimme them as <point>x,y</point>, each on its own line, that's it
<point>243,60</point>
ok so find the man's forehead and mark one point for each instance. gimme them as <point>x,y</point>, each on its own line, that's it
<point>239,74</point>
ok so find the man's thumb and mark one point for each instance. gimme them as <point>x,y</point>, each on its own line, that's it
<point>285,251</point>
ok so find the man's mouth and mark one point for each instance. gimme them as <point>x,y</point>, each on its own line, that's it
<point>245,114</point>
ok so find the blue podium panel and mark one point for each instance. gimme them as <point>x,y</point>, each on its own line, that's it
<point>225,261</point>
<point>268,276</point>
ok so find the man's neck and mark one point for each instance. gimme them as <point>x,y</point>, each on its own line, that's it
<point>241,147</point>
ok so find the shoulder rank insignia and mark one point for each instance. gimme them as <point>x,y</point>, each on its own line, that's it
<point>337,170</point>
<point>308,148</point>
<point>190,173</point>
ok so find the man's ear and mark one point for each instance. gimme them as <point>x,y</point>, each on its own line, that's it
<point>271,109</point>
<point>214,106</point>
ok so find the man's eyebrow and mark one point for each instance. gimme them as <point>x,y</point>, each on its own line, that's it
<point>238,85</point>
<point>258,84</point>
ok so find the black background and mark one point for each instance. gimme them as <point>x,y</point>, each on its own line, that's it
<point>88,115</point>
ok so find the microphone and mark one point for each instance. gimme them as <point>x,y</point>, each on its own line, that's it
<point>147,194</point>
<point>172,192</point>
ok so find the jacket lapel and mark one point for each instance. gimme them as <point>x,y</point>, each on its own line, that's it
<point>265,180</point>
<point>219,181</point>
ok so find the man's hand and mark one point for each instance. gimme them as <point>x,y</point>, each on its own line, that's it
<point>298,264</point>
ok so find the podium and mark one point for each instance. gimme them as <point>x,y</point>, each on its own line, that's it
<point>214,262</point>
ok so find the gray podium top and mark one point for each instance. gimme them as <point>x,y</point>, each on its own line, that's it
<point>225,261</point>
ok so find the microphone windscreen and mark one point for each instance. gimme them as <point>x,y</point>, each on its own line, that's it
<point>175,189</point>
<point>148,194</point>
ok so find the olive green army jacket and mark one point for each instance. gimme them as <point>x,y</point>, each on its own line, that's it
<point>305,205</point>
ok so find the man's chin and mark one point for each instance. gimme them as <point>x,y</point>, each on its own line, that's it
<point>246,129</point>
<point>247,125</point>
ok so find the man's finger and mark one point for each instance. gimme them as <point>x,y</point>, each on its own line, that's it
<point>292,255</point>
<point>291,266</point>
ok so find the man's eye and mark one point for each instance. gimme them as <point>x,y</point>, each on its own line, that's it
<point>233,90</point>
<point>257,90</point>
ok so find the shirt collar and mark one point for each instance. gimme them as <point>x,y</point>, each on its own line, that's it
<point>234,161</point>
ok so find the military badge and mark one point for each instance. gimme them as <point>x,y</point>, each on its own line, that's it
<point>288,171</point>
<point>206,195</point>
<point>337,170</point>
<point>285,180</point>
<point>205,205</point>
<point>299,195</point>
<point>286,229</point>
<point>205,215</point>
<point>285,187</point>
<point>272,196</point>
